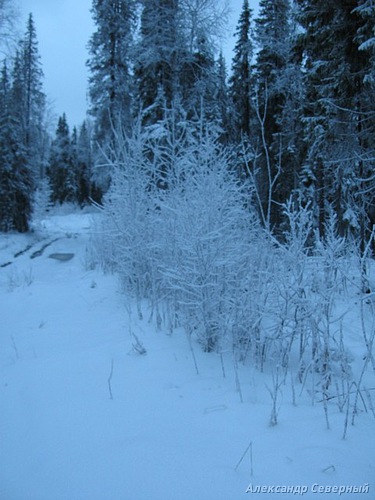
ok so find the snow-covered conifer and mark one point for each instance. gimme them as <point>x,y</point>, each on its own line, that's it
<point>110,65</point>
<point>61,169</point>
<point>241,80</point>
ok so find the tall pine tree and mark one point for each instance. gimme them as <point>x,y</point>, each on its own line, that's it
<point>33,99</point>
<point>241,81</point>
<point>22,132</point>
<point>83,159</point>
<point>61,169</point>
<point>223,102</point>
<point>110,65</point>
<point>201,97</point>
<point>159,59</point>
<point>16,179</point>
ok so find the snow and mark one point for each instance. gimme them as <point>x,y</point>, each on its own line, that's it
<point>167,433</point>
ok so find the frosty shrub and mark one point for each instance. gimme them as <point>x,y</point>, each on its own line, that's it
<point>42,203</point>
<point>129,213</point>
<point>182,235</point>
<point>179,230</point>
<point>208,238</point>
<point>313,292</point>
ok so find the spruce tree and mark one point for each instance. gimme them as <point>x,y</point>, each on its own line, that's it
<point>365,38</point>
<point>278,89</point>
<point>159,58</point>
<point>223,102</point>
<point>339,113</point>
<point>33,99</point>
<point>16,179</point>
<point>6,157</point>
<point>61,169</point>
<point>201,97</point>
<point>22,134</point>
<point>83,158</point>
<point>110,65</point>
<point>241,81</point>
<point>273,38</point>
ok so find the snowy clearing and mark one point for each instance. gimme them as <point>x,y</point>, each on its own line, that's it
<point>84,416</point>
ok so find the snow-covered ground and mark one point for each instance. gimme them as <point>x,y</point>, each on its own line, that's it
<point>84,416</point>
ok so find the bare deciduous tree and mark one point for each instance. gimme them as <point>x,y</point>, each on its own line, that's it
<point>8,26</point>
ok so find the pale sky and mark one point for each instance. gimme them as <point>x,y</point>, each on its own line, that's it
<point>63,30</point>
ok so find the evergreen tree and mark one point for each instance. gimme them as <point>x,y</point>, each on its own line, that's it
<point>4,87</point>
<point>61,171</point>
<point>84,164</point>
<point>6,157</point>
<point>278,90</point>
<point>366,40</point>
<point>159,59</point>
<point>203,91</point>
<point>339,114</point>
<point>223,102</point>
<point>16,181</point>
<point>22,134</point>
<point>366,36</point>
<point>273,36</point>
<point>110,65</point>
<point>241,81</point>
<point>33,98</point>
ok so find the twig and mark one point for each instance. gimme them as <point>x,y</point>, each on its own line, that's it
<point>251,459</point>
<point>138,346</point>
<point>188,333</point>
<point>293,389</point>
<point>222,364</point>
<point>343,395</point>
<point>276,384</point>
<point>109,381</point>
<point>369,399</point>
<point>250,447</point>
<point>238,383</point>
<point>347,410</point>
<point>15,347</point>
<point>330,467</point>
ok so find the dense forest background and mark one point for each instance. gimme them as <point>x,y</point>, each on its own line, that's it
<point>294,113</point>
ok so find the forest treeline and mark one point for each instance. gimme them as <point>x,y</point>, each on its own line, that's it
<point>295,109</point>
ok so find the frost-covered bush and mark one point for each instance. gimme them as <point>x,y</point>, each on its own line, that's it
<point>42,203</point>
<point>179,230</point>
<point>129,209</point>
<point>209,236</point>
<point>311,308</point>
<point>182,236</point>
